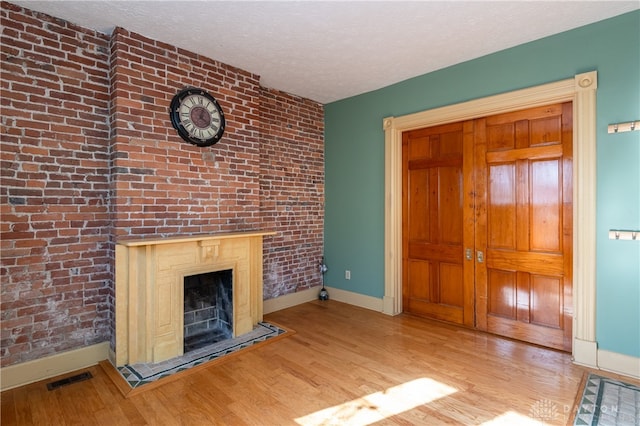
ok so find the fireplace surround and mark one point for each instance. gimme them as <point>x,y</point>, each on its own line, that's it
<point>150,277</point>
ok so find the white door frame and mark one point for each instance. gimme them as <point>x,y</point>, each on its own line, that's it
<point>581,90</point>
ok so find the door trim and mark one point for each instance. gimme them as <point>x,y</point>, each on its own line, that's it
<point>581,90</point>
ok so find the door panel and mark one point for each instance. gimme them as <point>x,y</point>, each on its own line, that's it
<point>502,192</point>
<point>502,293</point>
<point>451,289</point>
<point>419,202</point>
<point>420,277</point>
<point>546,206</point>
<point>546,293</point>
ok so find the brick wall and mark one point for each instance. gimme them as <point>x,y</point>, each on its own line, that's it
<point>55,272</point>
<point>89,157</point>
<point>292,189</point>
<point>162,185</point>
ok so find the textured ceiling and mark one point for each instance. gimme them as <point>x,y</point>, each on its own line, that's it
<point>330,50</point>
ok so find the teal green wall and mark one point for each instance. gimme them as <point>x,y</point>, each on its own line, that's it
<point>354,155</point>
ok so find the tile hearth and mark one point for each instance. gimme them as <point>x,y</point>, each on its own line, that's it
<point>143,373</point>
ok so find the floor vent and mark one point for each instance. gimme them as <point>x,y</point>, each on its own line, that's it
<point>67,381</point>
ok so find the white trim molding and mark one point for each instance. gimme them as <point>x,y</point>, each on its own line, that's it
<point>308,295</point>
<point>581,90</point>
<point>355,299</point>
<point>619,363</point>
<point>28,372</point>
<point>291,299</point>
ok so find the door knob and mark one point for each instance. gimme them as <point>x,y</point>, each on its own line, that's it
<point>468,254</point>
<point>480,256</point>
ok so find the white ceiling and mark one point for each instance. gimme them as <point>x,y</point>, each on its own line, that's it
<point>330,50</point>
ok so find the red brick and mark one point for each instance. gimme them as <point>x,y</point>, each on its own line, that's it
<point>159,183</point>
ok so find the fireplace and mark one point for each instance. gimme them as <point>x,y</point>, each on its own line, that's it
<point>150,289</point>
<point>208,309</point>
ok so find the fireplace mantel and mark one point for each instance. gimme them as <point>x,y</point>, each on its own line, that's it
<point>149,289</point>
<point>180,239</point>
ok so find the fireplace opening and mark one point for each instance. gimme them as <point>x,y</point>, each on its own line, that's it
<point>208,309</point>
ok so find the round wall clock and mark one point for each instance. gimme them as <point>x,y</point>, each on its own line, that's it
<point>197,117</point>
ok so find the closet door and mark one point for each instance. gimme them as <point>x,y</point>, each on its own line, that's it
<point>524,225</point>
<point>437,182</point>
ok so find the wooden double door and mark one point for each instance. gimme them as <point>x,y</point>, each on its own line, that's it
<point>487,224</point>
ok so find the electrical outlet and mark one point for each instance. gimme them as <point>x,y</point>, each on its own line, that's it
<point>347,274</point>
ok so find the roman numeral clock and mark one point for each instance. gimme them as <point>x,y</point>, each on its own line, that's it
<point>197,117</point>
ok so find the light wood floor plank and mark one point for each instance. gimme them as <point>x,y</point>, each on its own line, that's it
<point>344,365</point>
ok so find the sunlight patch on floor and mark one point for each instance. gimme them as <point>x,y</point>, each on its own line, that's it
<point>380,405</point>
<point>511,418</point>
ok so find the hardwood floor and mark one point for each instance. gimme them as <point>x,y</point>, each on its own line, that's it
<point>344,365</point>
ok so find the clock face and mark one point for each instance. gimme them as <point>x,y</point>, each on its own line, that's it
<point>197,117</point>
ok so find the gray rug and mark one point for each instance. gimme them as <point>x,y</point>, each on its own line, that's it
<point>608,402</point>
<point>140,374</point>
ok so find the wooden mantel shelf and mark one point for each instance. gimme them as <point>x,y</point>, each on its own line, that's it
<point>201,237</point>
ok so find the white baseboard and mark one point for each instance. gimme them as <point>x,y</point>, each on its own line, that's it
<point>619,363</point>
<point>585,353</point>
<point>289,300</point>
<point>51,366</point>
<point>356,299</point>
<point>298,298</point>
